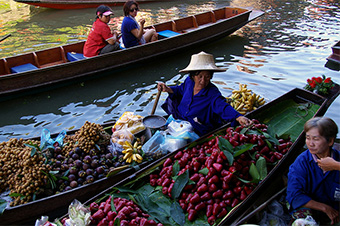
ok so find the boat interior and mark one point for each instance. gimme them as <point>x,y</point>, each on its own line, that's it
<point>72,52</point>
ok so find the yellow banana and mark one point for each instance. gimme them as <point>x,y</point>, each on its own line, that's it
<point>138,156</point>
<point>127,155</point>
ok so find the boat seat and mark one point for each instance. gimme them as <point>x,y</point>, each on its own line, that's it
<point>72,56</point>
<point>167,34</point>
<point>22,68</point>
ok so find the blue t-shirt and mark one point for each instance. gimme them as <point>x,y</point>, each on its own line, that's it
<point>129,39</point>
<point>206,111</point>
<point>307,181</point>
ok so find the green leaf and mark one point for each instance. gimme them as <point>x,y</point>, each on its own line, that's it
<point>113,208</point>
<point>179,184</point>
<point>66,172</point>
<point>243,148</point>
<point>176,213</point>
<point>3,205</point>
<point>224,144</point>
<point>126,190</point>
<point>15,195</point>
<point>261,166</point>
<point>204,171</point>
<point>229,156</point>
<point>175,168</point>
<point>254,173</point>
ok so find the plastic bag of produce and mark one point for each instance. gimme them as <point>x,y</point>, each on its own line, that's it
<point>172,143</point>
<point>181,129</point>
<point>129,121</point>
<point>153,145</point>
<point>308,221</point>
<point>43,221</point>
<point>47,142</point>
<point>120,136</point>
<point>78,214</point>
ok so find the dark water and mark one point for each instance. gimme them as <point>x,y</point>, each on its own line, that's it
<point>272,55</point>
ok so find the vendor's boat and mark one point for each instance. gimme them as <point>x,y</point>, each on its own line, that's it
<point>281,115</point>
<point>76,4</point>
<point>335,56</point>
<point>56,205</point>
<point>66,63</point>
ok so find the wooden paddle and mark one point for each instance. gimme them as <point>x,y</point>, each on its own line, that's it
<point>156,102</point>
<point>6,36</point>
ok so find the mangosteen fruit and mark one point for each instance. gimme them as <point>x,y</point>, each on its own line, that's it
<point>89,171</point>
<point>74,184</point>
<point>81,173</point>
<point>87,159</point>
<point>100,170</point>
<point>71,177</point>
<point>85,166</point>
<point>89,179</point>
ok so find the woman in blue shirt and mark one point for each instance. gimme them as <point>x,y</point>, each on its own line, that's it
<point>134,34</point>
<point>311,189</point>
<point>199,101</point>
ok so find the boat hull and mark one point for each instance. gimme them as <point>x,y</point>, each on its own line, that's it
<point>75,4</point>
<point>335,56</point>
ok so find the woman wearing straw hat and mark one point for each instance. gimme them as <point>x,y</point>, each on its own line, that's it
<point>199,101</point>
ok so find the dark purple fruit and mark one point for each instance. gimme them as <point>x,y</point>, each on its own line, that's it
<point>89,171</point>
<point>67,188</point>
<point>109,156</point>
<point>75,156</point>
<point>87,159</point>
<point>89,179</point>
<point>60,157</point>
<point>70,153</point>
<point>85,166</point>
<point>74,184</point>
<point>80,180</point>
<point>73,170</point>
<point>100,176</point>
<point>81,173</point>
<point>58,163</point>
<point>95,163</point>
<point>71,177</point>
<point>108,162</point>
<point>57,150</point>
<point>100,170</point>
<point>78,164</point>
<point>78,150</point>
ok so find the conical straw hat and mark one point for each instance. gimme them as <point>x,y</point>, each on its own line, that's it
<point>202,62</point>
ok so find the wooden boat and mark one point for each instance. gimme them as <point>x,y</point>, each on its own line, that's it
<point>76,4</point>
<point>268,114</point>
<point>335,56</point>
<point>62,64</point>
<point>57,204</point>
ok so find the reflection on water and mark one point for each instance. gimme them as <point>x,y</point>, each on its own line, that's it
<point>272,55</point>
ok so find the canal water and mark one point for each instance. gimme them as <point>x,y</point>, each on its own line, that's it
<point>272,55</point>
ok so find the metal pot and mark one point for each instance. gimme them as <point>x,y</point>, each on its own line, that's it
<point>155,122</point>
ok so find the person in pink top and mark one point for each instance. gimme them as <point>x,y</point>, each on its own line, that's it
<point>101,40</point>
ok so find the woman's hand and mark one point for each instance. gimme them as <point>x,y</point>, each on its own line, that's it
<point>244,121</point>
<point>332,214</point>
<point>328,164</point>
<point>142,22</point>
<point>164,88</point>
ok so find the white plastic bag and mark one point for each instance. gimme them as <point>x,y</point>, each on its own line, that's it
<point>308,221</point>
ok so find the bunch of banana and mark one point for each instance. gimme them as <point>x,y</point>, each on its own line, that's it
<point>244,100</point>
<point>132,152</point>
